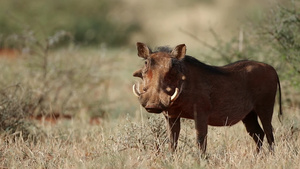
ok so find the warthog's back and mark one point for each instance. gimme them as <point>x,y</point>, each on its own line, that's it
<point>245,86</point>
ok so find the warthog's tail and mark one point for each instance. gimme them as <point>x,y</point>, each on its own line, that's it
<point>280,115</point>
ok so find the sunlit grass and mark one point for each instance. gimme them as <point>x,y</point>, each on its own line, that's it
<point>127,143</point>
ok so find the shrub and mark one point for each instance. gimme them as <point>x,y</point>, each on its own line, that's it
<point>15,105</point>
<point>89,21</point>
<point>281,28</point>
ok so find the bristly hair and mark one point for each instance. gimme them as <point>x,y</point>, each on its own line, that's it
<point>196,62</point>
<point>166,49</point>
<point>191,60</point>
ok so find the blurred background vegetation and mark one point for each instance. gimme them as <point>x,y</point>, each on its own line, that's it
<point>77,57</point>
<point>90,22</point>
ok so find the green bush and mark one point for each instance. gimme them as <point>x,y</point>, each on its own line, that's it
<point>89,21</point>
<point>269,35</point>
<point>281,28</point>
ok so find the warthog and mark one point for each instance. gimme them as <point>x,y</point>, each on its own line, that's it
<point>180,86</point>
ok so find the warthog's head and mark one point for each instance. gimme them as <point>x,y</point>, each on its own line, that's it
<point>161,75</point>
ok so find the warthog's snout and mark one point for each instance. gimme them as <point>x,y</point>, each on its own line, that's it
<point>153,108</point>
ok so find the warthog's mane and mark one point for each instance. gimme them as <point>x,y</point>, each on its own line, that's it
<point>191,60</point>
<point>211,69</point>
<point>166,49</point>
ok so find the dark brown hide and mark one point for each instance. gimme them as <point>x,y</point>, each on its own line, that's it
<point>181,86</point>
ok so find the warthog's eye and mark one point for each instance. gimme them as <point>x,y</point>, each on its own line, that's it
<point>145,69</point>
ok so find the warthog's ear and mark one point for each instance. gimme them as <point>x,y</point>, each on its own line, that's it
<point>143,50</point>
<point>138,73</point>
<point>179,51</point>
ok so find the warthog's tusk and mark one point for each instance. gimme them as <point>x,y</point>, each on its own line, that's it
<point>175,95</point>
<point>135,92</point>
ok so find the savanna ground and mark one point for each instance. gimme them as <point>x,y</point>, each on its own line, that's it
<point>125,136</point>
<point>67,106</point>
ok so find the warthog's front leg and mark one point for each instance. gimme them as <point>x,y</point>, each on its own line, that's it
<point>173,126</point>
<point>201,130</point>
<point>201,136</point>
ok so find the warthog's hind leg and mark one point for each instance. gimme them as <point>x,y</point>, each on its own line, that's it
<point>254,129</point>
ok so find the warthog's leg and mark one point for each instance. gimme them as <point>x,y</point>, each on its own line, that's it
<point>266,118</point>
<point>254,129</point>
<point>201,135</point>
<point>201,125</point>
<point>269,134</point>
<point>173,126</point>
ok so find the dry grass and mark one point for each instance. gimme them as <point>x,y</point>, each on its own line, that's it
<point>128,143</point>
<point>100,81</point>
